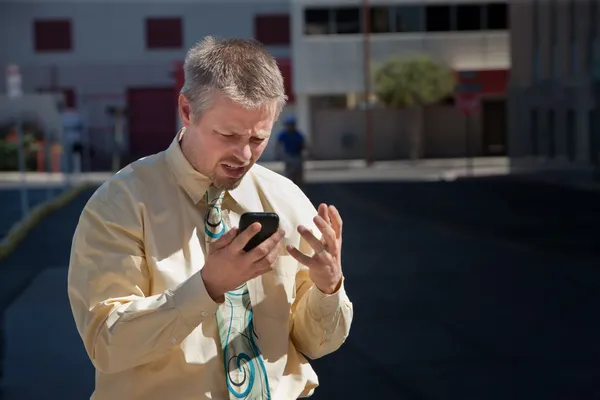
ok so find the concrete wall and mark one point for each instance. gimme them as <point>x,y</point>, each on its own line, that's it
<point>553,74</point>
<point>444,130</point>
<point>109,52</point>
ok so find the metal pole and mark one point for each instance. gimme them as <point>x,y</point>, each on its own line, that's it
<point>367,83</point>
<point>22,170</point>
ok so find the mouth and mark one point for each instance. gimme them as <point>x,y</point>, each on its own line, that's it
<point>233,170</point>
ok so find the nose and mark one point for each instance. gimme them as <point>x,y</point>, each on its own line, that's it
<point>243,152</point>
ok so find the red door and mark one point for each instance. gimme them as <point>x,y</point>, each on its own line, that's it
<point>152,120</point>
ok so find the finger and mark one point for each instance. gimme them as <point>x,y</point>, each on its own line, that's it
<point>268,262</point>
<point>263,249</point>
<point>323,212</point>
<point>244,237</point>
<point>312,241</point>
<point>302,258</point>
<point>225,240</point>
<point>336,221</point>
<point>328,233</point>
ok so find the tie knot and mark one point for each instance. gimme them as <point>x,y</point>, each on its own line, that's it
<point>214,197</point>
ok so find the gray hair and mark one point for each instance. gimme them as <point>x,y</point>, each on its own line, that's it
<point>240,69</point>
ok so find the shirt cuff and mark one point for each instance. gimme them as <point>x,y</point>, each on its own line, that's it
<point>324,305</point>
<point>193,301</point>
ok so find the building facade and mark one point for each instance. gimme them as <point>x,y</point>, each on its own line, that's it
<point>554,118</point>
<point>329,58</point>
<point>128,54</point>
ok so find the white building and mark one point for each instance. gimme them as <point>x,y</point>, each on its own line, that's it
<point>328,55</point>
<point>126,53</point>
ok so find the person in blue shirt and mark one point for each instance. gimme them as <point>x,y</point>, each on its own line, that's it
<point>291,146</point>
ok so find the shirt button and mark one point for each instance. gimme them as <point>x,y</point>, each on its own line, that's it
<point>204,313</point>
<point>173,340</point>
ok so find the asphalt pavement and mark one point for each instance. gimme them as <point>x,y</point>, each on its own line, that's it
<point>474,289</point>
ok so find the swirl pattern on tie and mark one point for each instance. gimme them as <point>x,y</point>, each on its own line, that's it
<point>243,363</point>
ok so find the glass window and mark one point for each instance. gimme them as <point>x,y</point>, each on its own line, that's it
<point>534,129</point>
<point>347,20</point>
<point>468,17</point>
<point>380,19</point>
<point>408,19</point>
<point>316,21</point>
<point>571,134</point>
<point>438,18</point>
<point>497,16</point>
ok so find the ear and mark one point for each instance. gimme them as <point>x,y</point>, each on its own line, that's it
<point>185,111</point>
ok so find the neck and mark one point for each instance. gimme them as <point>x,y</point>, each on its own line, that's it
<point>187,148</point>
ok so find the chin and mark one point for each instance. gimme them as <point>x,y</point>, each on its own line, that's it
<point>225,183</point>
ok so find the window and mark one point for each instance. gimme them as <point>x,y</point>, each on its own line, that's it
<point>347,20</point>
<point>272,29</point>
<point>379,19</point>
<point>551,134</point>
<point>554,58</point>
<point>409,19</point>
<point>468,17</point>
<point>535,33</point>
<point>497,16</point>
<point>534,129</point>
<point>164,33</point>
<point>438,18</point>
<point>594,137</point>
<point>573,38</point>
<point>52,35</point>
<point>317,21</point>
<point>593,34</point>
<point>571,134</point>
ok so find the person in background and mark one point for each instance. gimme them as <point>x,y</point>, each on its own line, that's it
<point>72,140</point>
<point>291,146</point>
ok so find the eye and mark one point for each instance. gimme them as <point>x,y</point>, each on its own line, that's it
<point>223,134</point>
<point>257,140</point>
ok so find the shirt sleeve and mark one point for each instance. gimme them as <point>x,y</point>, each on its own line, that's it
<point>320,322</point>
<point>108,284</point>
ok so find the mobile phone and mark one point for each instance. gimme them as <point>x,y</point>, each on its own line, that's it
<point>269,224</point>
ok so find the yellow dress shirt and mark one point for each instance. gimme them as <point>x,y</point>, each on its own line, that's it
<point>140,304</point>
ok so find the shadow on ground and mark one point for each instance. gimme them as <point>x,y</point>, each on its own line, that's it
<point>464,290</point>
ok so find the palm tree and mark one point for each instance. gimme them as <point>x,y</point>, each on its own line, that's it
<point>414,82</point>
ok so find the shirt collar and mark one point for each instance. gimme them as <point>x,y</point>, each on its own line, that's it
<point>195,184</point>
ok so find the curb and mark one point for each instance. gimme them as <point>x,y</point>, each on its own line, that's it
<point>20,230</point>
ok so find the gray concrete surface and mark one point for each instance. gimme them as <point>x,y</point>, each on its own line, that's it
<point>475,289</point>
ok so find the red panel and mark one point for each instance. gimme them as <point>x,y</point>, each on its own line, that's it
<point>272,29</point>
<point>494,81</point>
<point>491,82</point>
<point>285,65</point>
<point>152,120</point>
<point>179,76</point>
<point>164,33</point>
<point>52,35</point>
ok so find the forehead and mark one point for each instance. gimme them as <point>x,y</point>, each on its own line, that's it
<point>228,115</point>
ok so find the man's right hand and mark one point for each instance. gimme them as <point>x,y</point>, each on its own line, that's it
<point>228,266</point>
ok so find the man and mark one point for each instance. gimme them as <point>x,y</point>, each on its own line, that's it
<point>72,137</point>
<point>291,144</point>
<point>167,303</point>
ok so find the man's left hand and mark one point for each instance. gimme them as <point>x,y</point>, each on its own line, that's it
<point>325,266</point>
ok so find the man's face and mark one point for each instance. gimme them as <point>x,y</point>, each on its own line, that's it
<point>226,141</point>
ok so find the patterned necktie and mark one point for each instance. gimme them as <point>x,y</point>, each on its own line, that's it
<point>244,367</point>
